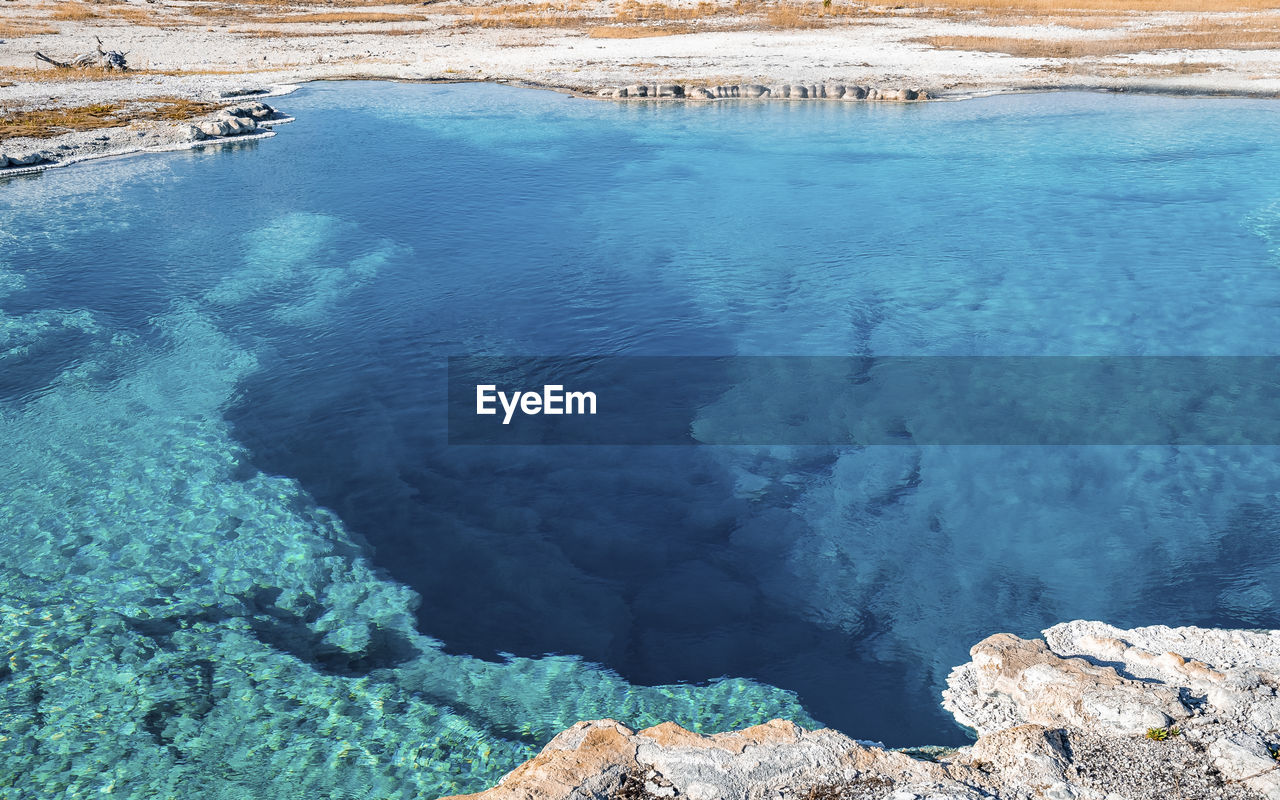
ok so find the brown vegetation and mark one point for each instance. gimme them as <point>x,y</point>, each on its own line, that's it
<point>1133,70</point>
<point>789,15</point>
<point>12,29</point>
<point>47,74</point>
<point>638,31</point>
<point>632,11</point>
<point>276,33</point>
<point>48,122</point>
<point>340,17</point>
<point>632,19</point>
<point>73,12</point>
<point>1207,36</point>
<point>1056,7</point>
<point>526,15</point>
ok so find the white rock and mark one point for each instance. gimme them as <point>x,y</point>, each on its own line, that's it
<point>1246,760</point>
<point>255,110</point>
<point>214,127</point>
<point>1012,681</point>
<point>1032,702</point>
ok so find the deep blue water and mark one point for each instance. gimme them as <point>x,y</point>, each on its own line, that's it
<point>288,306</point>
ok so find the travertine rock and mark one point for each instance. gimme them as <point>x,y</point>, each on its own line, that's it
<point>1064,718</point>
<point>255,110</point>
<point>593,760</point>
<point>1012,681</point>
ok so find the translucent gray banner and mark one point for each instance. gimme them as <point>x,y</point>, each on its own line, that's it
<point>788,400</point>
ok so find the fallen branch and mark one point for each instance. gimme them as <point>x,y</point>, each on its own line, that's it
<point>112,59</point>
<point>106,59</point>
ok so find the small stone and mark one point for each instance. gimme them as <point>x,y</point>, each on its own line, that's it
<point>700,93</point>
<point>636,90</point>
<point>752,90</point>
<point>798,92</point>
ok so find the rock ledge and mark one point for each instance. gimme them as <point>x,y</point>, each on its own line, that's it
<point>1091,712</point>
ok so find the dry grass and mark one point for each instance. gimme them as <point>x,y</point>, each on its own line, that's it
<point>631,11</point>
<point>49,122</point>
<point>12,29</point>
<point>787,15</point>
<point>1133,70</point>
<point>634,20</point>
<point>74,12</point>
<point>172,109</point>
<point>85,12</point>
<point>53,121</point>
<point>339,17</point>
<point>139,16</point>
<point>1205,37</point>
<point>638,31</point>
<point>528,15</point>
<point>1085,22</point>
<point>1057,7</point>
<point>281,6</point>
<point>47,74</point>
<point>276,33</point>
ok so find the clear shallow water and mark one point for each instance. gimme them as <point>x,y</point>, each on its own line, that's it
<point>226,483</point>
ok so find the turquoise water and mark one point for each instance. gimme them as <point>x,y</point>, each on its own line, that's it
<point>240,559</point>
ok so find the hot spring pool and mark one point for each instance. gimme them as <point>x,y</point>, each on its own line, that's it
<point>241,558</point>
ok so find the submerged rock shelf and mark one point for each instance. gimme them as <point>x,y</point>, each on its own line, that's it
<point>1091,712</point>
<point>176,623</point>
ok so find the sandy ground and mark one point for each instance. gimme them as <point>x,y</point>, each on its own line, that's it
<point>193,49</point>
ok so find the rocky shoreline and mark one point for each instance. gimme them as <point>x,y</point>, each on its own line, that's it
<point>756,91</point>
<point>242,121</point>
<point>1090,712</point>
<point>254,119</point>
